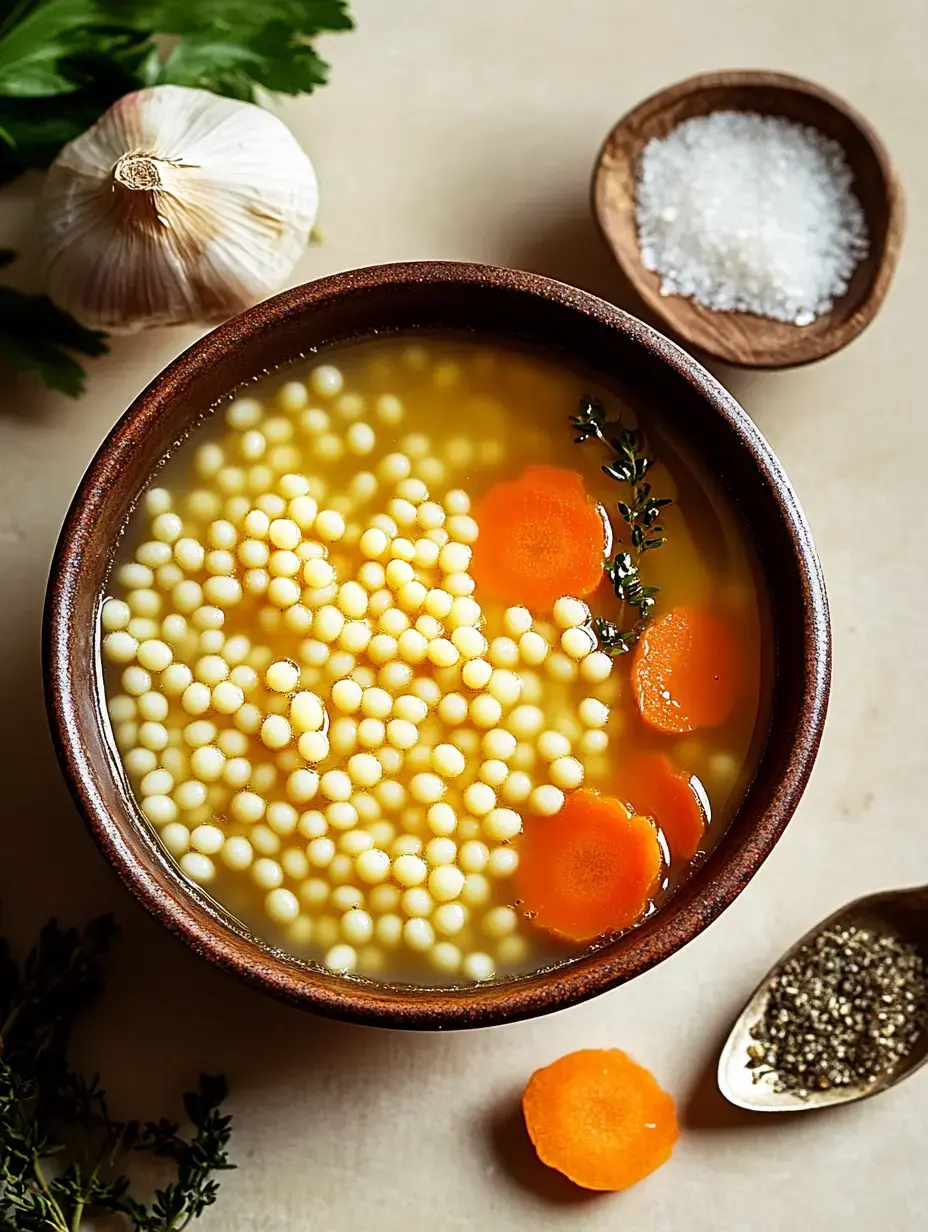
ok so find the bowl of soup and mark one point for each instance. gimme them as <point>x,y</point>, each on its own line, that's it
<point>436,645</point>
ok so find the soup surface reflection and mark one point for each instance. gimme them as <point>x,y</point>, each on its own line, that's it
<point>411,684</point>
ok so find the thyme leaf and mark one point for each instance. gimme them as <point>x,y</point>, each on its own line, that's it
<point>640,512</point>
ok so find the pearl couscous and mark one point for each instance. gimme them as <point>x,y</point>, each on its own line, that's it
<point>334,725</point>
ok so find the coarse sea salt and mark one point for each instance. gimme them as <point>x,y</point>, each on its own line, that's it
<point>750,213</point>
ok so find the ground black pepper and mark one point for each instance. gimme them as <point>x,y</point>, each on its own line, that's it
<point>846,1008</point>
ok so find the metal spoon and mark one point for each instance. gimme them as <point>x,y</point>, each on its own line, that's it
<point>904,913</point>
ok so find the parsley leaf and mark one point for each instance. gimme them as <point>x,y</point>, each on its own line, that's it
<point>64,62</point>
<point>35,336</point>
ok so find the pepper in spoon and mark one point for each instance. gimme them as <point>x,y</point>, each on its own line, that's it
<point>842,1016</point>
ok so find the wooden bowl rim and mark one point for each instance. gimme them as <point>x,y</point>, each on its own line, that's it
<point>369,1003</point>
<point>819,346</point>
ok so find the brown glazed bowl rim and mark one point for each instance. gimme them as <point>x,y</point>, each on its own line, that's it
<point>189,913</point>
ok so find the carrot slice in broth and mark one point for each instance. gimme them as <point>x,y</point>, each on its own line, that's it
<point>589,869</point>
<point>656,788</point>
<point>541,537</point>
<point>687,671</point>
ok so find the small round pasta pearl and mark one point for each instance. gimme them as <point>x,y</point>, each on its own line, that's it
<point>503,862</point>
<point>445,957</point>
<point>438,603</point>
<point>418,934</point>
<point>596,668</point>
<point>412,646</point>
<point>282,676</point>
<point>476,673</point>
<point>115,615</point>
<point>533,648</point>
<point>417,901</point>
<point>561,668</point>
<point>409,870</point>
<point>391,759</point>
<point>445,883</point>
<point>207,839</point>
<point>469,641</point>
<point>441,819</point>
<point>167,527</point>
<point>505,686</point>
<point>283,592</point>
<point>248,807</point>
<point>326,381</point>
<point>449,918</point>
<point>593,713</point>
<point>120,647</point>
<point>198,867</point>
<point>569,613</point>
<point>448,761</point>
<point>462,528</point>
<point>373,543</point>
<point>485,711</point>
<point>594,742</point>
<point>479,799</point>
<point>478,967</point>
<point>365,769</point>
<point>426,788</point>
<point>372,866</point>
<point>275,731</point>
<point>566,773</point>
<point>502,824</point>
<point>503,652</point>
<point>546,800</point>
<point>341,959</point>
<point>493,772</point>
<point>336,785</point>
<point>499,922</point>
<point>552,745</point>
<point>357,926</point>
<point>318,573</point>
<point>346,696</point>
<point>136,681</point>
<point>176,837</point>
<point>577,642</point>
<point>153,736</point>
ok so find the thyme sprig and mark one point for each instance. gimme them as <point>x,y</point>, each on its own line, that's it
<point>641,512</point>
<point>59,1143</point>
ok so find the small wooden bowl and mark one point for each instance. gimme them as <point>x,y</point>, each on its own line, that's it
<point>736,337</point>
<point>495,305</point>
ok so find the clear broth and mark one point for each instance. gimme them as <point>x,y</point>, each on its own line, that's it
<point>485,412</point>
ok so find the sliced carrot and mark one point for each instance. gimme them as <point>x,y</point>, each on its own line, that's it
<point>656,788</point>
<point>600,1119</point>
<point>686,671</point>
<point>589,869</point>
<point>541,537</point>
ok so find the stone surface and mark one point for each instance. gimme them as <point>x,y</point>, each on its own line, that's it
<point>469,131</point>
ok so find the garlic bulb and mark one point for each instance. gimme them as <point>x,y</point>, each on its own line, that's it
<point>177,206</point>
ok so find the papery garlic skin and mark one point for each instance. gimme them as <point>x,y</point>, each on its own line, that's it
<point>176,206</point>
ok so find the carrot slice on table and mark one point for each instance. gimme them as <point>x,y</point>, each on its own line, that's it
<point>541,537</point>
<point>656,788</point>
<point>589,869</point>
<point>600,1119</point>
<point>686,671</point>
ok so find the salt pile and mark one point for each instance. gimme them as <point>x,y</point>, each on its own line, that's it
<point>750,213</point>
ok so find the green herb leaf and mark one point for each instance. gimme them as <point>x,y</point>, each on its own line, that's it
<point>35,336</point>
<point>94,51</point>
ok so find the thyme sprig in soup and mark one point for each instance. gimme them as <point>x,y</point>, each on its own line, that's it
<point>387,673</point>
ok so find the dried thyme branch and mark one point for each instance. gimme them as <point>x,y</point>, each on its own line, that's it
<point>45,1185</point>
<point>629,465</point>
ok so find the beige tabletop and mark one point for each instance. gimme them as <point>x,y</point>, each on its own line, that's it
<point>467,130</point>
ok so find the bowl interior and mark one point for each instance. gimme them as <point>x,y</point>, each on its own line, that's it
<point>740,338</point>
<point>492,303</point>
